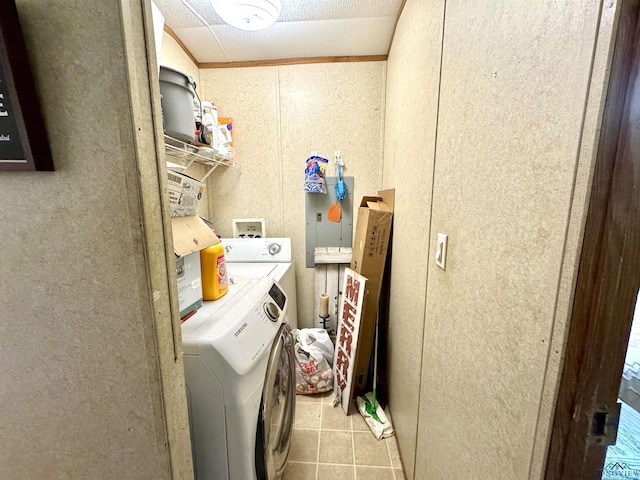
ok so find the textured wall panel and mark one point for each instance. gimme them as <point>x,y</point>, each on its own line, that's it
<point>410,128</point>
<point>327,107</point>
<point>575,231</point>
<point>248,95</point>
<point>514,86</point>
<point>156,268</point>
<point>172,55</point>
<point>280,115</point>
<point>75,376</point>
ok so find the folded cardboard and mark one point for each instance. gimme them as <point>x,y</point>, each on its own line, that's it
<point>190,235</point>
<point>370,245</point>
<point>185,194</point>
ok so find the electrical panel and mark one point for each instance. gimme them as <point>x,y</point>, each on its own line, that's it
<point>320,232</point>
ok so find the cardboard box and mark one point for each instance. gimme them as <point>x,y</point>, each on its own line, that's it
<point>189,283</point>
<point>370,245</point>
<point>190,235</point>
<point>184,194</point>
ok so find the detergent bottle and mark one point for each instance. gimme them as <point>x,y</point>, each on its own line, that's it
<point>213,269</point>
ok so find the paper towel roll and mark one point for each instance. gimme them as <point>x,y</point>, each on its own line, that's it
<point>324,304</point>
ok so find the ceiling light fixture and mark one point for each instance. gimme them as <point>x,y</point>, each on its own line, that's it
<point>248,14</point>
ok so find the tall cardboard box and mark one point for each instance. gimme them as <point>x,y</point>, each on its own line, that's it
<point>190,235</point>
<point>370,245</point>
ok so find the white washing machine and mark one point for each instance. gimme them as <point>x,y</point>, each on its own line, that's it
<point>264,257</point>
<point>240,383</point>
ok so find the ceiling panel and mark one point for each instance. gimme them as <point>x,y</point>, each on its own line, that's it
<point>350,37</point>
<point>305,29</point>
<point>177,15</point>
<point>296,10</point>
<point>201,43</point>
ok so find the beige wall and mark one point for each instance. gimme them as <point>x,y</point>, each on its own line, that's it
<point>575,230</point>
<point>413,72</point>
<point>509,186</point>
<point>80,380</point>
<point>172,55</point>
<point>281,114</point>
<point>83,350</point>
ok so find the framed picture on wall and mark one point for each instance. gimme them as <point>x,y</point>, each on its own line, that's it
<point>23,140</point>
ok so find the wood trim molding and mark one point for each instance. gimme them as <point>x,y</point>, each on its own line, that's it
<point>173,35</point>
<point>283,61</point>
<point>273,63</point>
<point>293,61</point>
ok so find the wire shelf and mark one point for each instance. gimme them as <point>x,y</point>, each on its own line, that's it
<point>187,154</point>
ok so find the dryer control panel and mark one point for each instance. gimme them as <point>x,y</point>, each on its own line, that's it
<point>257,250</point>
<point>250,327</point>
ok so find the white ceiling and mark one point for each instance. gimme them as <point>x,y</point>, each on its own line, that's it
<point>305,28</point>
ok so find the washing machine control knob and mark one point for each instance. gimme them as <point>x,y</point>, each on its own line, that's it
<point>274,248</point>
<point>272,311</point>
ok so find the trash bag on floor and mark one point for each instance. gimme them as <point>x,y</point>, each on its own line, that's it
<point>314,359</point>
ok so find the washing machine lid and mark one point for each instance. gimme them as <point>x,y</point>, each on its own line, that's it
<point>256,270</point>
<point>251,270</point>
<point>257,250</point>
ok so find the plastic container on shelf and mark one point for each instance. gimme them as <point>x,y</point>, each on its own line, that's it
<point>178,91</point>
<point>213,270</point>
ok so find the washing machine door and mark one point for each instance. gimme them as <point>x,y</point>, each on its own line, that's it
<point>275,422</point>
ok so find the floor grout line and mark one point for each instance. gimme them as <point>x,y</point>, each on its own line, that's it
<point>321,402</point>
<point>390,459</point>
<point>319,438</point>
<point>343,465</point>
<point>330,430</point>
<point>353,443</point>
<point>353,450</point>
<point>377,467</point>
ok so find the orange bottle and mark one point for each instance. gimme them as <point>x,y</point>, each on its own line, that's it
<point>213,270</point>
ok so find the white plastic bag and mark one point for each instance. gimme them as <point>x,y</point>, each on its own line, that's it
<point>314,359</point>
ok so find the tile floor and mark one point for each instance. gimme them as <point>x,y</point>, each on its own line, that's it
<point>329,445</point>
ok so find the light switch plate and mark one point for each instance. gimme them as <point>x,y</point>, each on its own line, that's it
<point>441,250</point>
